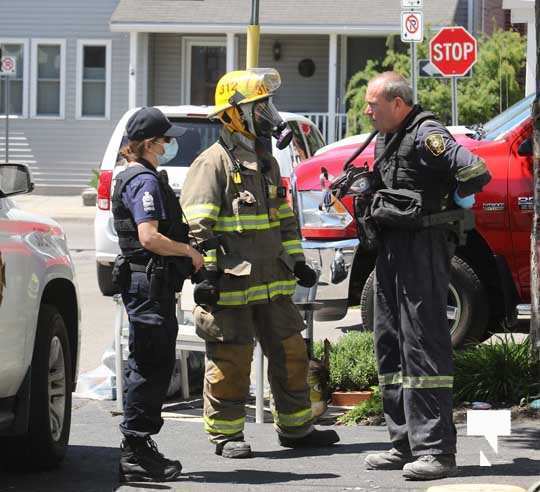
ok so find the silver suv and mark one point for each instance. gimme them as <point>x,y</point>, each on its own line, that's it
<point>39,331</point>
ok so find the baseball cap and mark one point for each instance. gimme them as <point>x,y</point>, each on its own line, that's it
<point>149,122</point>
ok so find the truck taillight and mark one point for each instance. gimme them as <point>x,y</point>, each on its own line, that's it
<point>104,190</point>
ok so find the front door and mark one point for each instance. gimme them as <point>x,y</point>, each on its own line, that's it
<point>205,61</point>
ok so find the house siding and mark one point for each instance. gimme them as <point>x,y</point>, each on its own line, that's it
<point>65,151</point>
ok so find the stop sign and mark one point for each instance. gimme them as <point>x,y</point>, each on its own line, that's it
<point>453,51</point>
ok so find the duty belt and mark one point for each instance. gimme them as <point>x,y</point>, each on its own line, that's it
<point>459,221</point>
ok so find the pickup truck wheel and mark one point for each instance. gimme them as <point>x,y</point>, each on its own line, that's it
<point>104,276</point>
<point>467,310</point>
<point>45,444</point>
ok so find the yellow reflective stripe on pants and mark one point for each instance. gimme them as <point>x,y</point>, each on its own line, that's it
<point>202,211</point>
<point>210,257</point>
<point>225,427</point>
<point>296,419</point>
<point>390,378</point>
<point>293,246</point>
<point>257,293</point>
<point>240,223</point>
<point>431,382</point>
<point>284,211</point>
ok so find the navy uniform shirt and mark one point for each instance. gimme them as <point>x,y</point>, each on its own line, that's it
<point>143,197</point>
<point>437,149</point>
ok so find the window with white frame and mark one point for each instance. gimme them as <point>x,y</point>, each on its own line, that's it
<point>48,78</point>
<point>17,83</point>
<point>93,79</point>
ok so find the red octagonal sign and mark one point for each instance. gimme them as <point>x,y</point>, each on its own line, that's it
<point>453,51</point>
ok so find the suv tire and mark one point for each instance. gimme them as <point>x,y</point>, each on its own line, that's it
<point>467,302</point>
<point>45,444</point>
<point>104,276</point>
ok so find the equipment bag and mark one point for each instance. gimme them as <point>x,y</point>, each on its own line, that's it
<point>397,209</point>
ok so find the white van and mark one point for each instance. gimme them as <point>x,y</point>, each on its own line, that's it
<point>39,331</point>
<point>202,132</point>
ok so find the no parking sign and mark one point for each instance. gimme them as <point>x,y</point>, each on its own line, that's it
<point>412,26</point>
<point>8,65</point>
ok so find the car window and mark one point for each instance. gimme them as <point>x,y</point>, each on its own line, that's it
<point>508,119</point>
<point>298,146</point>
<point>313,137</point>
<point>200,134</point>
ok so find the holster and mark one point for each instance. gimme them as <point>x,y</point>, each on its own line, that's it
<point>121,274</point>
<point>368,231</point>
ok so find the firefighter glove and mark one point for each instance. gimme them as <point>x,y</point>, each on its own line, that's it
<point>206,292</point>
<point>307,277</point>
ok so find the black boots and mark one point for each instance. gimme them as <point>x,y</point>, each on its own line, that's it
<point>234,449</point>
<point>140,461</point>
<point>314,439</point>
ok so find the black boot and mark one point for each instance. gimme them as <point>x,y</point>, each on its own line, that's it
<point>314,439</point>
<point>140,461</point>
<point>234,449</point>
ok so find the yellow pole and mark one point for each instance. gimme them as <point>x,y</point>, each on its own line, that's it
<point>253,36</point>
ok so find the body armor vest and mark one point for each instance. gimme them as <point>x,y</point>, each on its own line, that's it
<point>402,169</point>
<point>126,228</point>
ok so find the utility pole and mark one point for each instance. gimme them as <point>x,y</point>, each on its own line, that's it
<point>253,36</point>
<point>535,235</point>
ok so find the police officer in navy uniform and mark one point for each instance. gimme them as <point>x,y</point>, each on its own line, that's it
<point>145,211</point>
<point>412,274</point>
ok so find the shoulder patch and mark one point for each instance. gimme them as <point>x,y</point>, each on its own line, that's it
<point>435,144</point>
<point>148,202</point>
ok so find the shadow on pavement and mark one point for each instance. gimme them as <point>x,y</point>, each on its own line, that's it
<point>336,449</point>
<point>524,437</point>
<point>253,477</point>
<point>520,467</point>
<point>85,469</point>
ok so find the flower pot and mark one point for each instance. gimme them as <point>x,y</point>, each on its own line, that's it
<point>350,398</point>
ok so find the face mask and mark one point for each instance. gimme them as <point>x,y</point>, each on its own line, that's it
<point>267,122</point>
<point>171,149</point>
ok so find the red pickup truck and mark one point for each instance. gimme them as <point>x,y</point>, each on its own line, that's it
<point>490,281</point>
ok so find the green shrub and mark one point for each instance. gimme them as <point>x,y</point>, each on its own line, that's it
<point>370,408</point>
<point>498,372</point>
<point>352,361</point>
<point>93,183</point>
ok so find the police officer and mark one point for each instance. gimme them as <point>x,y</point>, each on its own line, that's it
<point>412,339</point>
<point>233,189</point>
<point>145,212</point>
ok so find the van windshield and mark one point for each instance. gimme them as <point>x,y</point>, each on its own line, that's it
<point>201,133</point>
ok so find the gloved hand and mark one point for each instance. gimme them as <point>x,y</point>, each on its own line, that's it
<point>464,201</point>
<point>307,277</point>
<point>206,291</point>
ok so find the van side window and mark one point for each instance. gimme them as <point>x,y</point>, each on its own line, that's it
<point>313,137</point>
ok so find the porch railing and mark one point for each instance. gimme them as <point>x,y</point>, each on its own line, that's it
<point>322,120</point>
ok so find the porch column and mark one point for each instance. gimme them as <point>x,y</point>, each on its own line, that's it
<point>133,50</point>
<point>332,84</point>
<point>531,61</point>
<point>231,51</point>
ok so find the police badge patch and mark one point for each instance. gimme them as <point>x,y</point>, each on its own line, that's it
<point>148,202</point>
<point>435,143</point>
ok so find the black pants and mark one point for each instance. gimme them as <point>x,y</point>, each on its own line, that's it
<point>412,339</point>
<point>152,339</point>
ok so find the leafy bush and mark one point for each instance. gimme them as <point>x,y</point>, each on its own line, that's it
<point>499,372</point>
<point>352,362</point>
<point>94,180</point>
<point>369,408</point>
<point>493,87</point>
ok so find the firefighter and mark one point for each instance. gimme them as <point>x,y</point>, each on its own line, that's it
<point>412,273</point>
<point>147,219</point>
<point>233,190</point>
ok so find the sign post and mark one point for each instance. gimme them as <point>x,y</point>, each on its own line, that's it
<point>8,68</point>
<point>453,52</point>
<point>412,31</point>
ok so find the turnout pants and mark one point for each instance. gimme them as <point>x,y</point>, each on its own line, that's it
<point>152,340</point>
<point>229,334</point>
<point>412,339</point>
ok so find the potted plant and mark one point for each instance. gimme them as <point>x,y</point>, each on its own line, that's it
<point>353,369</point>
